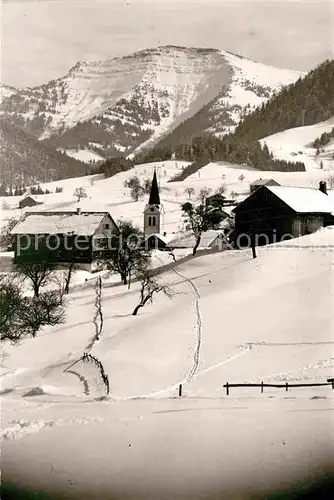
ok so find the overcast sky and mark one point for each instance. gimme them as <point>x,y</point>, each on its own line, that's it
<point>42,40</point>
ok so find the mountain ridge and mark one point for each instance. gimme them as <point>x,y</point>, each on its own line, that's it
<point>121,105</point>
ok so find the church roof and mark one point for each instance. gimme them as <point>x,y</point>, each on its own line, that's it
<point>154,195</point>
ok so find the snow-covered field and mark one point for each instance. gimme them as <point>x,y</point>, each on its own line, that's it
<point>295,144</point>
<point>110,194</point>
<point>233,319</point>
<point>85,155</point>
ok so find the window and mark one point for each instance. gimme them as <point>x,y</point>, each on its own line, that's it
<point>107,226</point>
<point>153,224</point>
<point>150,221</point>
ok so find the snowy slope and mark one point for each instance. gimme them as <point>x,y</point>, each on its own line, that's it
<point>140,442</point>
<point>111,195</point>
<point>85,155</point>
<point>252,84</point>
<point>295,144</point>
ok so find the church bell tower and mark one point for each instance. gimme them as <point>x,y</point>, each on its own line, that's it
<point>153,210</point>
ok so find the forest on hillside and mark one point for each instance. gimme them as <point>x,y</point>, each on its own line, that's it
<point>307,101</point>
<point>310,100</point>
<point>24,160</point>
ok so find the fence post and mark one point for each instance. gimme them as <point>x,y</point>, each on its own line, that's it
<point>286,386</point>
<point>262,387</point>
<point>180,390</point>
<point>227,389</point>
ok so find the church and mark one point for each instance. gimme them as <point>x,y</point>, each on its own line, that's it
<point>156,238</point>
<point>153,219</point>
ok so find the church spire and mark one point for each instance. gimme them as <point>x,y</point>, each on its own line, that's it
<point>154,195</point>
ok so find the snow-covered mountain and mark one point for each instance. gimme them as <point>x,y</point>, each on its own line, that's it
<point>119,105</point>
<point>6,91</point>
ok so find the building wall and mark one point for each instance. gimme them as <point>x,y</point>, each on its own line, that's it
<point>28,202</point>
<point>306,224</point>
<point>107,226</point>
<point>57,248</point>
<point>152,220</point>
<point>263,213</point>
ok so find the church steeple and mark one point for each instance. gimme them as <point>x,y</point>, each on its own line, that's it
<point>153,211</point>
<point>154,195</point>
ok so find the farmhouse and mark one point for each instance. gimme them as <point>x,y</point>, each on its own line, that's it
<point>218,199</point>
<point>29,201</point>
<point>261,182</point>
<point>278,212</point>
<point>80,237</point>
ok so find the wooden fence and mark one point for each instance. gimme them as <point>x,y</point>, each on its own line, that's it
<point>286,385</point>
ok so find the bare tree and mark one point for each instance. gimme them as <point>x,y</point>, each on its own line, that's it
<point>37,270</point>
<point>45,309</point>
<point>21,316</point>
<point>80,193</point>
<point>11,302</point>
<point>150,286</point>
<point>233,195</point>
<point>203,194</point>
<point>221,189</point>
<point>62,279</point>
<point>6,238</point>
<point>136,189</point>
<point>147,185</point>
<point>126,255</point>
<point>241,177</point>
<point>189,191</point>
<point>70,271</point>
<point>331,181</point>
<point>202,217</point>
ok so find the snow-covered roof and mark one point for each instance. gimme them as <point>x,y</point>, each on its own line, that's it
<point>83,224</point>
<point>187,240</point>
<point>29,197</point>
<point>164,238</point>
<point>263,182</point>
<point>304,200</point>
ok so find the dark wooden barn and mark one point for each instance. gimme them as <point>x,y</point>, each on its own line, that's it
<point>64,237</point>
<point>275,213</point>
<point>29,201</point>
